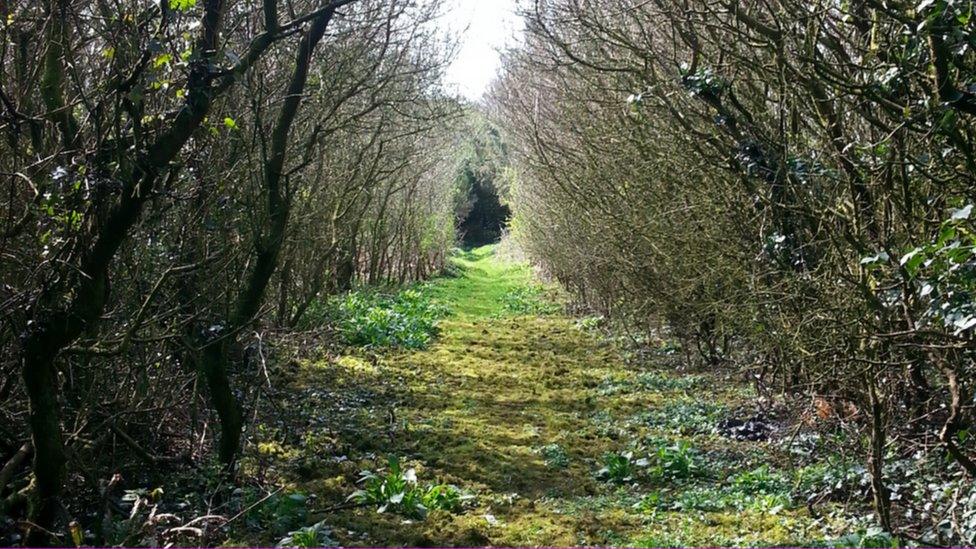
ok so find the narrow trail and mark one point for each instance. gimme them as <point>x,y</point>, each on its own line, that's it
<point>519,410</point>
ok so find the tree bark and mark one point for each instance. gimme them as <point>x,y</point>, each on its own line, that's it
<point>215,356</point>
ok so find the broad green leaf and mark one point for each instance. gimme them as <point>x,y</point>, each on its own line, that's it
<point>913,260</point>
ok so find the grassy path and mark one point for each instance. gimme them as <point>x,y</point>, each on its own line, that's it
<point>519,410</point>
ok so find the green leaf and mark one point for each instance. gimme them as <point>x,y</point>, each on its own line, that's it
<point>913,260</point>
<point>162,60</point>
<point>947,233</point>
<point>182,5</point>
<point>230,123</point>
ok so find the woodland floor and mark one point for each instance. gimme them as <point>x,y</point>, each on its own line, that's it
<point>519,410</point>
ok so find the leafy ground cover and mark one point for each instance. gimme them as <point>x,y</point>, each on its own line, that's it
<point>519,425</point>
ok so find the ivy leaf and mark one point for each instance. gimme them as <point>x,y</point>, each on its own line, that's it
<point>964,323</point>
<point>963,18</point>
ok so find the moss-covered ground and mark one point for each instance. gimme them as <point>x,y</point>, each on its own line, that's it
<point>517,405</point>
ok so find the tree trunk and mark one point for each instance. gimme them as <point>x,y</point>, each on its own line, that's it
<point>882,498</point>
<point>213,365</point>
<point>215,356</point>
<point>40,377</point>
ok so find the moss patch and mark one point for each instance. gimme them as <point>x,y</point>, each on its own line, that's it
<point>519,410</point>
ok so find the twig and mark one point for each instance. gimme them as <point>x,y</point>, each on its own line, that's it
<point>13,464</point>
<point>252,506</point>
<point>139,450</point>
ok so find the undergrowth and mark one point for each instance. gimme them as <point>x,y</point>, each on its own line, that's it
<point>564,440</point>
<point>397,490</point>
<point>528,299</point>
<point>406,319</point>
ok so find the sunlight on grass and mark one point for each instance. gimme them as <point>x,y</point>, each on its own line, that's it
<point>480,283</point>
<point>518,407</point>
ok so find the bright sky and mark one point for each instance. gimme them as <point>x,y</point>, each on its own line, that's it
<point>491,24</point>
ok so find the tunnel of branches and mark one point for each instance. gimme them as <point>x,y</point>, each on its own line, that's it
<point>780,192</point>
<point>488,216</point>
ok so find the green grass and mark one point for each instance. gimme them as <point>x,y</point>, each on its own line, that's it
<point>521,409</point>
<point>480,284</point>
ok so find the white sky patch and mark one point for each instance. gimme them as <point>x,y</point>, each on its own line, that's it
<point>491,25</point>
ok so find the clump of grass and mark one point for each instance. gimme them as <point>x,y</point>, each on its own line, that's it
<point>407,319</point>
<point>397,491</point>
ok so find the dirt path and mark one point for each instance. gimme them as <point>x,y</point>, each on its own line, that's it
<point>518,406</point>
